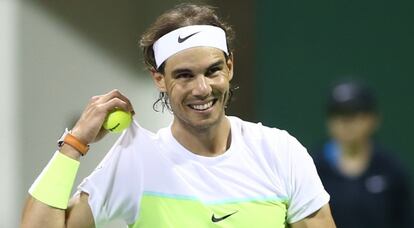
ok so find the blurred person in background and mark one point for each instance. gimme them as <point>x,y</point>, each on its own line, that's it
<point>369,187</point>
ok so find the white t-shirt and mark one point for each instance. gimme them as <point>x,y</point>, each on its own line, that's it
<point>265,179</point>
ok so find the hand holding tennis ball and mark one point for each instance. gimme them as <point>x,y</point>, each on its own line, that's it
<point>117,121</point>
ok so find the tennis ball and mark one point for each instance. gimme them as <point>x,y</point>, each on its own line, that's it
<point>117,121</point>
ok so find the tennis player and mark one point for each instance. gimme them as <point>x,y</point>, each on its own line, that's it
<point>206,169</point>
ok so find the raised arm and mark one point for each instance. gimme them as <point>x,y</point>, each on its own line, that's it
<point>43,211</point>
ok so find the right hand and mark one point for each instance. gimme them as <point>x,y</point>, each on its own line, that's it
<point>89,128</point>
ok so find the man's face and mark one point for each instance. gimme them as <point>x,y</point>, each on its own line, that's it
<point>352,128</point>
<point>197,81</point>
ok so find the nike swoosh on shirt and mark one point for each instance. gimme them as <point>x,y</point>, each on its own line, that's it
<point>214,219</point>
<point>180,40</point>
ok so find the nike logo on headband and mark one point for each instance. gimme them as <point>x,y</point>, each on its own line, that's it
<point>180,40</point>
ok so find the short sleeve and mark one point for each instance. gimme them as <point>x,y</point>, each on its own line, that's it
<point>305,190</point>
<point>114,186</point>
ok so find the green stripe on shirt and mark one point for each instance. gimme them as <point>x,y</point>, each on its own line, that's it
<point>171,211</point>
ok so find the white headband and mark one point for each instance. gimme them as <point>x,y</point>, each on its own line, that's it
<point>188,37</point>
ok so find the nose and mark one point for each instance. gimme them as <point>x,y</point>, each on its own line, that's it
<point>202,87</point>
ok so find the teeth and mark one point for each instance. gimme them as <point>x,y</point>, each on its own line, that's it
<point>203,106</point>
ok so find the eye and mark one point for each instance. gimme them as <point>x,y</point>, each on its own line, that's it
<point>213,70</point>
<point>183,75</point>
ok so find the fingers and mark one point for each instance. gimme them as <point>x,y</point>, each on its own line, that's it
<point>113,100</point>
<point>89,126</point>
<point>115,103</point>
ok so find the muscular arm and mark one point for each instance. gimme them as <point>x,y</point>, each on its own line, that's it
<point>88,129</point>
<point>78,214</point>
<point>320,218</point>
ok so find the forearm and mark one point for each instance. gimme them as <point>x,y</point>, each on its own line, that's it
<point>70,152</point>
<point>47,204</point>
<point>41,214</point>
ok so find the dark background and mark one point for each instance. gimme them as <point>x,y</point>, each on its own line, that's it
<point>287,55</point>
<point>304,46</point>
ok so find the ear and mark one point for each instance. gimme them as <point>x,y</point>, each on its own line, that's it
<point>230,64</point>
<point>159,80</point>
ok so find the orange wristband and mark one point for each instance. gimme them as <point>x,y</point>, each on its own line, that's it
<point>76,143</point>
<point>72,141</point>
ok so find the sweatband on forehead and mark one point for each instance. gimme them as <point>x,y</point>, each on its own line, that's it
<point>188,37</point>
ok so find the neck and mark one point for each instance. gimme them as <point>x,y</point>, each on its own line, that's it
<point>354,158</point>
<point>210,141</point>
<point>355,149</point>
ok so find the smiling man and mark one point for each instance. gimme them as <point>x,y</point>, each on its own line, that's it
<point>204,170</point>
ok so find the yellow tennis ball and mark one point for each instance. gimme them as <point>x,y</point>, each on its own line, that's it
<point>117,121</point>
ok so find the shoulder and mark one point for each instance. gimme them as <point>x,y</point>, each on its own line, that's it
<point>258,131</point>
<point>111,195</point>
<point>322,154</point>
<point>275,144</point>
<point>387,160</point>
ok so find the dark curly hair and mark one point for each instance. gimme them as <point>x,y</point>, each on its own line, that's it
<point>182,15</point>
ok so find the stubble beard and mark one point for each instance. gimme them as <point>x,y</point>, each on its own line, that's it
<point>193,124</point>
